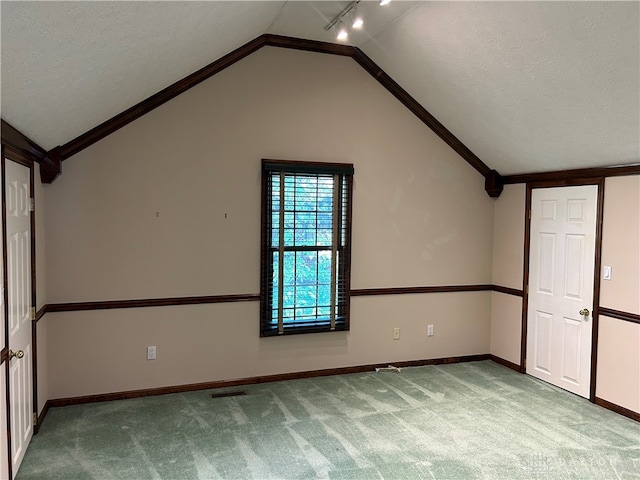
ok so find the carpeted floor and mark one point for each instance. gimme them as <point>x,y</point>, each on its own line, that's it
<point>460,421</point>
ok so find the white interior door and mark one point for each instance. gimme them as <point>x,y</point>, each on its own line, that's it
<point>18,213</point>
<point>561,275</point>
<point>4,450</point>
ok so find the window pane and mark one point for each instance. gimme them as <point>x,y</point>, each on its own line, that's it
<point>324,296</point>
<point>305,296</point>
<point>306,268</point>
<point>325,237</point>
<point>307,210</point>
<point>289,294</point>
<point>324,267</point>
<point>325,220</point>
<point>289,268</point>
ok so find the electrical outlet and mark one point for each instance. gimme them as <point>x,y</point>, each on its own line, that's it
<point>429,330</point>
<point>151,352</point>
<point>396,333</point>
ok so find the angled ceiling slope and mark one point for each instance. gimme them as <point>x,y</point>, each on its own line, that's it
<point>529,86</point>
<point>51,161</point>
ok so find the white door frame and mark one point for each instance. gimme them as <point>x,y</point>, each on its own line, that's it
<point>596,274</point>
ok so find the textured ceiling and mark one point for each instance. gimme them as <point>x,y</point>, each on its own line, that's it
<point>527,86</point>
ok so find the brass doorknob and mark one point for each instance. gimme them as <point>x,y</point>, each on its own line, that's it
<point>18,354</point>
<point>584,312</point>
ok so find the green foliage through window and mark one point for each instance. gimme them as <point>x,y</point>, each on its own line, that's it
<point>306,247</point>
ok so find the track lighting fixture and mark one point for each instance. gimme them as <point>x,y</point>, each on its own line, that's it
<point>355,20</point>
<point>342,31</point>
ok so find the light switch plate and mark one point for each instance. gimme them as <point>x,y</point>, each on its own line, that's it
<point>607,273</point>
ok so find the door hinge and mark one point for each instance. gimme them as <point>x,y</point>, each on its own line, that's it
<point>32,205</point>
<point>33,313</point>
<point>35,419</point>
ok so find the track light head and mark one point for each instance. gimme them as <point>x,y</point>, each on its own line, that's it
<point>358,22</point>
<point>384,2</point>
<point>342,31</point>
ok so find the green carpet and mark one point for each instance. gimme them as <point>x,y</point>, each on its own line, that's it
<point>461,421</point>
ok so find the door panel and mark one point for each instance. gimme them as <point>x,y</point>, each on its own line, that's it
<point>543,342</point>
<point>571,351</point>
<point>562,258</point>
<point>18,217</point>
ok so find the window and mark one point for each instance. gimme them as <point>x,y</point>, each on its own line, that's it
<point>306,247</point>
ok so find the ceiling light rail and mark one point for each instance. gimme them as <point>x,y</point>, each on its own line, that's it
<point>355,20</point>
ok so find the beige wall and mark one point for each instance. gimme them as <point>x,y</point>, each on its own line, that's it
<point>621,244</point>
<point>141,214</point>
<point>619,363</point>
<point>217,342</point>
<point>618,375</point>
<point>508,236</point>
<point>508,262</point>
<point>506,326</point>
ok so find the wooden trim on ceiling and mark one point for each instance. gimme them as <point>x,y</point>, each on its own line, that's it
<point>618,409</point>
<point>21,143</point>
<point>24,150</point>
<point>62,402</point>
<point>50,169</point>
<point>493,184</point>
<point>109,126</point>
<point>572,176</point>
<point>619,315</point>
<point>419,111</point>
<point>307,45</point>
<point>493,180</point>
<point>51,161</point>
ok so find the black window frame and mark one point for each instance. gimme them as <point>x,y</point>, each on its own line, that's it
<point>341,246</point>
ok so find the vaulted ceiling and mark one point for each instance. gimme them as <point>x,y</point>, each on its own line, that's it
<point>526,86</point>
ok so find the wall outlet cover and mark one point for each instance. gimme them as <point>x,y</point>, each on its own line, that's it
<point>151,352</point>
